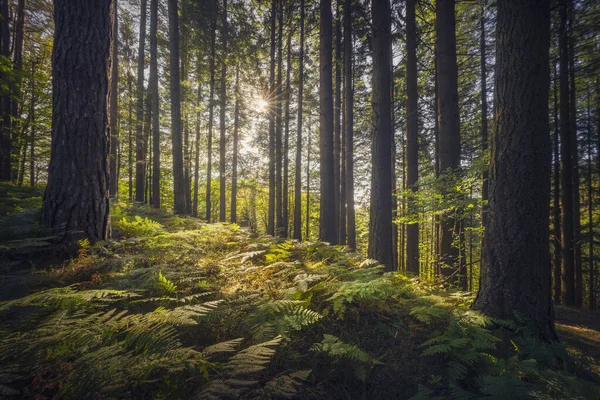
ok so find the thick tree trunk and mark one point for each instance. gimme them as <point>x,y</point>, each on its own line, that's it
<point>113,96</point>
<point>349,125</point>
<point>211,100</point>
<point>153,86</point>
<point>77,199</point>
<point>515,276</point>
<point>412,135</point>
<point>568,245</point>
<point>234,163</point>
<point>272,182</point>
<point>140,156</point>
<point>380,223</point>
<point>298,180</point>
<point>175,80</point>
<point>449,128</point>
<point>222,143</point>
<point>327,225</point>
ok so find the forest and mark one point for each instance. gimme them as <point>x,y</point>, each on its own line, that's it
<point>299,199</point>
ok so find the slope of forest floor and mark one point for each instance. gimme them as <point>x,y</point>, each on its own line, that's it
<point>174,308</point>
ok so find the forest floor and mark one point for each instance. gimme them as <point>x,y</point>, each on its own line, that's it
<point>174,308</point>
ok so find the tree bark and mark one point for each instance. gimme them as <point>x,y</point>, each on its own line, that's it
<point>272,182</point>
<point>234,163</point>
<point>349,125</point>
<point>113,96</point>
<point>76,200</point>
<point>286,138</point>
<point>484,117</point>
<point>153,86</point>
<point>449,128</point>
<point>515,276</point>
<point>327,225</point>
<point>298,180</point>
<point>337,109</point>
<point>222,143</point>
<point>5,100</point>
<point>175,84</point>
<point>568,244</point>
<point>279,128</point>
<point>556,209</point>
<point>590,208</point>
<point>380,223</point>
<point>140,156</point>
<point>210,119</point>
<point>412,136</point>
<point>197,140</point>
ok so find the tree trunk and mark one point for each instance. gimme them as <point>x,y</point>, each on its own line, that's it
<point>197,139</point>
<point>298,180</point>
<point>380,224</point>
<point>211,101</point>
<point>130,136</point>
<point>484,119</point>
<point>449,128</point>
<point>32,117</point>
<point>337,109</point>
<point>349,125</point>
<point>272,183</point>
<point>568,261</point>
<point>279,128</point>
<point>5,101</point>
<point>19,139</point>
<point>515,276</point>
<point>286,138</point>
<point>222,143</point>
<point>140,156</point>
<point>113,96</point>
<point>556,209</point>
<point>327,225</point>
<point>77,198</point>
<point>590,208</point>
<point>578,263</point>
<point>412,136</point>
<point>175,79</point>
<point>234,163</point>
<point>153,86</point>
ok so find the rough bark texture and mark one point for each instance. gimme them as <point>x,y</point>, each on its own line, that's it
<point>380,223</point>
<point>590,195</point>
<point>222,138</point>
<point>448,124</point>
<point>113,95</point>
<point>327,226</point>
<point>568,245</point>
<point>197,139</point>
<point>77,197</point>
<point>349,126</point>
<point>412,135</point>
<point>140,156</point>
<point>298,180</point>
<point>484,116</point>
<point>153,86</point>
<point>515,276</point>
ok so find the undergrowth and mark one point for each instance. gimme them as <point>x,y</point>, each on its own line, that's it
<point>173,308</point>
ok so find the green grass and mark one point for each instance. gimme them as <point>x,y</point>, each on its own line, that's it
<point>173,308</point>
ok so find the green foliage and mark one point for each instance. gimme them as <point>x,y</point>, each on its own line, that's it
<point>138,227</point>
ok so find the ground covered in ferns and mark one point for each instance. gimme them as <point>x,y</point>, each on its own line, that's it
<point>173,308</point>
